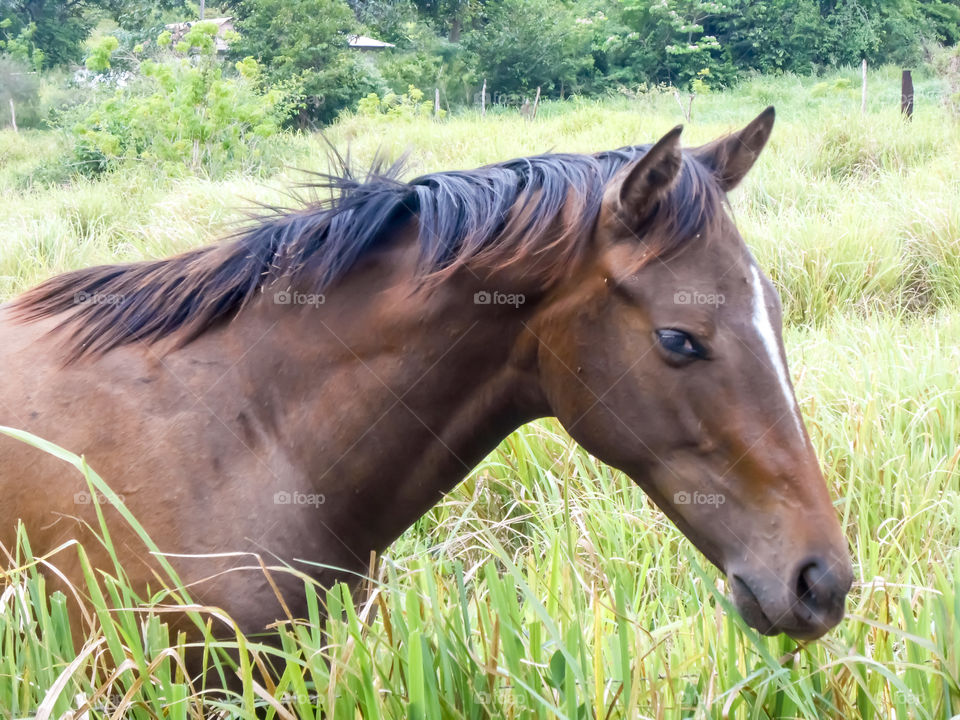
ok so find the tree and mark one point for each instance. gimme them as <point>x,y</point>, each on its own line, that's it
<point>49,33</point>
<point>388,19</point>
<point>44,33</point>
<point>303,44</point>
<point>146,17</point>
<point>517,51</point>
<point>943,19</point>
<point>798,45</point>
<point>801,35</point>
<point>671,41</point>
<point>448,16</point>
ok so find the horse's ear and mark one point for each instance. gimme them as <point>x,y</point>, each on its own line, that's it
<point>638,188</point>
<point>731,157</point>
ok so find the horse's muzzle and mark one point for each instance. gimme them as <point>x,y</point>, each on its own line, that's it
<point>805,604</point>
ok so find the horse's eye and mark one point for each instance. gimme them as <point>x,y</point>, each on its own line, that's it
<point>681,344</point>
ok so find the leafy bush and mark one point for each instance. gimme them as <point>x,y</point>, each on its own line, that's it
<point>19,45</point>
<point>99,58</point>
<point>668,41</point>
<point>408,105</point>
<point>44,33</point>
<point>420,58</point>
<point>517,51</point>
<point>182,113</point>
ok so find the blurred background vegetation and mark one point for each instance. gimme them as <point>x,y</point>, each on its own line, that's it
<point>127,84</point>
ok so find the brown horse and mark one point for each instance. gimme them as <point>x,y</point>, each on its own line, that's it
<point>308,388</point>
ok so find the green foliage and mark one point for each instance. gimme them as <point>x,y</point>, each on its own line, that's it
<point>803,35</point>
<point>400,70</point>
<point>666,41</point>
<point>52,33</point>
<point>700,84</point>
<point>303,43</point>
<point>45,33</point>
<point>20,47</point>
<point>182,114</point>
<point>689,49</point>
<point>392,20</point>
<point>99,58</point>
<point>199,38</point>
<point>795,45</point>
<point>671,40</point>
<point>585,47</point>
<point>428,50</point>
<point>516,51</point>
<point>840,85</point>
<point>144,15</point>
<point>424,59</point>
<point>449,16</point>
<point>943,18</point>
<point>408,105</point>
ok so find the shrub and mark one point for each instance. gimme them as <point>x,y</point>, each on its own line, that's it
<point>418,59</point>
<point>303,45</point>
<point>517,51</point>
<point>408,105</point>
<point>182,113</point>
<point>99,58</point>
<point>44,33</point>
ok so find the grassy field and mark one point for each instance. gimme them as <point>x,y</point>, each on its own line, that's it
<point>546,585</point>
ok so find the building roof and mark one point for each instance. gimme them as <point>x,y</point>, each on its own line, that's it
<point>367,43</point>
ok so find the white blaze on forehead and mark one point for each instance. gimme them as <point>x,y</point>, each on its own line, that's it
<point>761,321</point>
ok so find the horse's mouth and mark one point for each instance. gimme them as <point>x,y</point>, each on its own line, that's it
<point>749,607</point>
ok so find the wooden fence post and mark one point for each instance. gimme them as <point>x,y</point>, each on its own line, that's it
<point>436,101</point>
<point>483,99</point>
<point>536,103</point>
<point>906,94</point>
<point>13,116</point>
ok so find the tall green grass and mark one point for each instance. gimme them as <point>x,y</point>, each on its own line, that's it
<point>546,585</point>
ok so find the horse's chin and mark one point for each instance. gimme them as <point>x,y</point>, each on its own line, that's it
<point>749,607</point>
<point>753,614</point>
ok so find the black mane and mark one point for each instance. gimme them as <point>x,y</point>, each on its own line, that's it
<point>496,210</point>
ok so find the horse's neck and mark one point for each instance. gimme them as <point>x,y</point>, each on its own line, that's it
<point>383,399</point>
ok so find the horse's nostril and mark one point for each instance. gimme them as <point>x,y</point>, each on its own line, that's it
<point>818,589</point>
<point>806,584</point>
